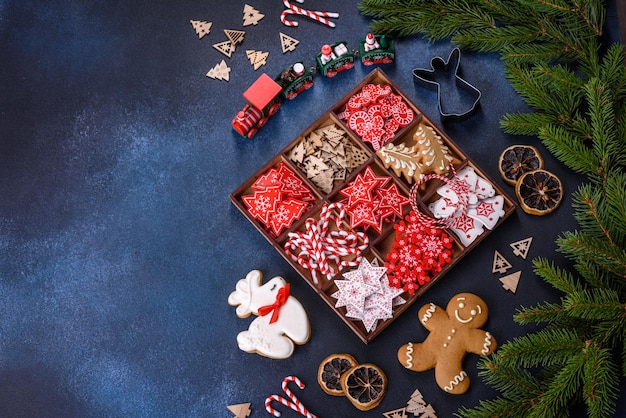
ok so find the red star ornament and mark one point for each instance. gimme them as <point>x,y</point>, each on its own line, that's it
<point>368,174</point>
<point>391,198</point>
<point>360,190</point>
<point>363,214</point>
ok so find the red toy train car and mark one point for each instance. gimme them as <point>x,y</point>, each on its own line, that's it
<point>265,97</point>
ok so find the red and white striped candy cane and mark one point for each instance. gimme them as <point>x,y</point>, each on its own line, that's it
<point>293,402</point>
<point>319,247</point>
<point>318,16</point>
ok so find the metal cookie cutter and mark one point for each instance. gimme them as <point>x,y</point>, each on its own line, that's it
<point>456,97</point>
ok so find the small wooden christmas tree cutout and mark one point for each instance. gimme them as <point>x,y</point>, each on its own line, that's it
<point>396,413</point>
<point>511,281</point>
<point>429,412</point>
<point>257,58</point>
<point>201,27</point>
<point>241,410</point>
<point>251,16</point>
<point>520,248</point>
<point>500,264</point>
<point>235,36</point>
<point>287,43</point>
<point>220,72</point>
<point>227,48</point>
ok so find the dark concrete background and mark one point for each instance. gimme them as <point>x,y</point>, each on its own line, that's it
<point>119,245</point>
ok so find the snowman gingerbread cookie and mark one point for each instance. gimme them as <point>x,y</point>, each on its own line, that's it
<point>454,332</point>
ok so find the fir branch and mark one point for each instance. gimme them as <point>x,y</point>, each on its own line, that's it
<point>594,304</point>
<point>498,408</point>
<point>603,127</point>
<point>578,245</point>
<point>588,211</point>
<point>596,276</point>
<point>526,123</point>
<point>495,39</point>
<point>536,91</point>
<point>543,312</point>
<point>522,388</point>
<point>559,278</point>
<point>507,377</point>
<point>563,389</point>
<point>549,346</point>
<point>601,382</point>
<point>569,149</point>
<point>615,208</point>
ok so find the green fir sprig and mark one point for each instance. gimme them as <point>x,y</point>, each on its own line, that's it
<point>555,60</point>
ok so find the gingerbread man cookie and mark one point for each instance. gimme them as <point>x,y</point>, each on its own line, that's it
<point>453,333</point>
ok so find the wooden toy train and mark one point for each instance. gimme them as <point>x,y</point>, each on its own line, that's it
<point>265,96</point>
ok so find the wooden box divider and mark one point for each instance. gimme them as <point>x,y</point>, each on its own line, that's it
<point>379,243</point>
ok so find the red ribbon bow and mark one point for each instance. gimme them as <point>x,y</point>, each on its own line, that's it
<point>281,299</point>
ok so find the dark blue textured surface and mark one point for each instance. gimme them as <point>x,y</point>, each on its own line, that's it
<point>118,243</point>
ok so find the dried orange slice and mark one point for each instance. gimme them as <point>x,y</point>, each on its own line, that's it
<point>364,385</point>
<point>517,160</point>
<point>330,371</point>
<point>539,192</point>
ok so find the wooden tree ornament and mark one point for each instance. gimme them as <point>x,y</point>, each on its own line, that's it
<point>521,247</point>
<point>511,281</point>
<point>396,413</point>
<point>500,264</point>
<point>241,410</point>
<point>251,16</point>
<point>257,58</point>
<point>235,36</point>
<point>287,43</point>
<point>201,27</point>
<point>227,48</point>
<point>220,72</point>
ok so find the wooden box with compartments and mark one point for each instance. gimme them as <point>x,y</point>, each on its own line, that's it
<point>372,205</point>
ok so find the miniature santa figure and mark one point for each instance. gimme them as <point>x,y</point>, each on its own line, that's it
<point>327,54</point>
<point>370,43</point>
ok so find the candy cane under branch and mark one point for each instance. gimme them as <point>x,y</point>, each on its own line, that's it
<point>293,402</point>
<point>311,14</point>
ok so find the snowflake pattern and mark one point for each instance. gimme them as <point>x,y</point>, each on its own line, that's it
<point>279,198</point>
<point>370,202</point>
<point>484,209</point>
<point>417,254</point>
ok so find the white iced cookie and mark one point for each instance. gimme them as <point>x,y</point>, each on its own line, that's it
<point>281,321</point>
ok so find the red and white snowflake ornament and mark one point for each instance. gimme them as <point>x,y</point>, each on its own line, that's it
<point>419,252</point>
